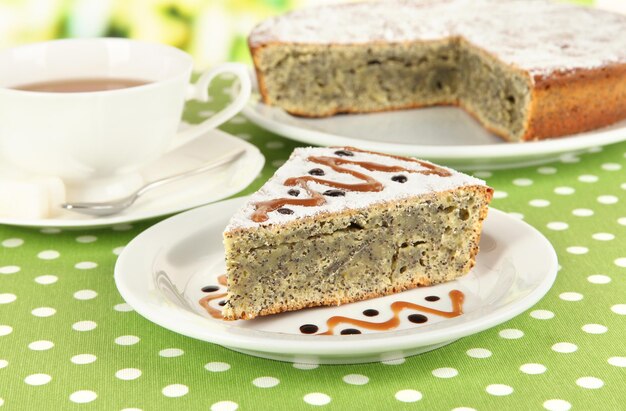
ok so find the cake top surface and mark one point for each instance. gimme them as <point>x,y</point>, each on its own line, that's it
<point>338,179</point>
<point>539,36</point>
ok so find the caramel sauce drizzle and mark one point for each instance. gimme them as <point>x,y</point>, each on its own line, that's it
<point>457,297</point>
<point>213,312</point>
<point>222,279</point>
<point>369,184</point>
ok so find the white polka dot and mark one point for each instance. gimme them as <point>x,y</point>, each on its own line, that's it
<point>128,374</point>
<point>564,191</point>
<point>445,372</point>
<point>620,262</point>
<point>7,298</point>
<point>603,236</point>
<point>86,239</point>
<point>564,347</point>
<point>611,166</point>
<point>533,368</point>
<point>48,255</point>
<point>623,186</point>
<point>244,136</point>
<point>546,170</point>
<point>569,158</point>
<point>175,390</point>
<point>408,395</point>
<point>478,353</point>
<point>118,250</point>
<point>463,409</point>
<point>587,178</point>
<point>86,265</point>
<point>122,227</point>
<point>302,366</point>
<point>499,389</point>
<point>9,269</point>
<point>41,345</point>
<point>274,145</point>
<point>82,359</point>
<point>591,383</point>
<point>50,230</point>
<point>217,366</point>
<point>483,174</point>
<point>237,120</point>
<point>621,221</point>
<point>84,325</point>
<point>607,199</point>
<point>519,216</point>
<point>596,149</point>
<point>511,333</point>
<point>500,194</point>
<point>557,226</point>
<point>619,309</point>
<point>356,379</point>
<point>83,396</point>
<point>171,352</point>
<point>278,163</point>
<point>594,328</point>
<point>85,294</point>
<point>542,314</point>
<point>127,340</point>
<point>37,379</point>
<point>617,361</point>
<point>5,330</point>
<point>571,296</point>
<point>12,242</point>
<point>577,250</point>
<point>557,405</point>
<point>43,312</point>
<point>582,212</point>
<point>206,113</point>
<point>265,382</point>
<point>131,409</point>
<point>539,202</point>
<point>123,307</point>
<point>1,402</point>
<point>523,182</point>
<point>224,406</point>
<point>599,279</point>
<point>46,279</point>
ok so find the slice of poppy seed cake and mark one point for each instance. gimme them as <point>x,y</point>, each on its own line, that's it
<point>337,225</point>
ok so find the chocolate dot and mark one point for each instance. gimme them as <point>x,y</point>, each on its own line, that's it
<point>293,192</point>
<point>418,318</point>
<point>285,210</point>
<point>432,298</point>
<point>222,303</point>
<point>210,288</point>
<point>399,178</point>
<point>344,153</point>
<point>334,193</point>
<point>370,313</point>
<point>316,172</point>
<point>308,329</point>
<point>349,331</point>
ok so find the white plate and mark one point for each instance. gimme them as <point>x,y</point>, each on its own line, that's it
<point>161,273</point>
<point>445,135</point>
<point>191,192</point>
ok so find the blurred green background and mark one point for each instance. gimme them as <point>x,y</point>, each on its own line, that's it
<point>212,31</point>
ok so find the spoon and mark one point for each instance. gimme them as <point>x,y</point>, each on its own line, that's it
<point>115,206</point>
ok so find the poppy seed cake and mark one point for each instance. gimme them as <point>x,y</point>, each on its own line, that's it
<point>337,225</point>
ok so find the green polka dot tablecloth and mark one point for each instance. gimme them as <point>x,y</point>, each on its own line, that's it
<point>68,341</point>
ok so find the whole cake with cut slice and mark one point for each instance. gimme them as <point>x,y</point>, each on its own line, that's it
<point>527,70</point>
<point>337,225</point>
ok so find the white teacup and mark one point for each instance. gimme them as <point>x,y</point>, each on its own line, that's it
<point>97,141</point>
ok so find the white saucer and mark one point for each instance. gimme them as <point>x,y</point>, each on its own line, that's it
<point>188,193</point>
<point>445,135</point>
<point>161,273</point>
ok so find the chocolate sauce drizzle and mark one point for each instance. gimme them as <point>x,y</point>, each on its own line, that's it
<point>204,301</point>
<point>457,297</point>
<point>369,183</point>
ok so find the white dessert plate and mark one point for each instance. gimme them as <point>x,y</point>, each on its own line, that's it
<point>445,135</point>
<point>191,192</point>
<point>161,274</point>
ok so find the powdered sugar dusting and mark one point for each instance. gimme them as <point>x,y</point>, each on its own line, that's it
<point>298,165</point>
<point>535,35</point>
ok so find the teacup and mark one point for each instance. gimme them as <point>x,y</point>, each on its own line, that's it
<point>96,141</point>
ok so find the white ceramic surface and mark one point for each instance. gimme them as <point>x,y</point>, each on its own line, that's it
<point>445,135</point>
<point>161,273</point>
<point>191,192</point>
<point>99,140</point>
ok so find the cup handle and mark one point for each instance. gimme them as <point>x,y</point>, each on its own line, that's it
<point>200,91</point>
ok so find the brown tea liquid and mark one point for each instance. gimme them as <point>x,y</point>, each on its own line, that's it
<point>82,85</point>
